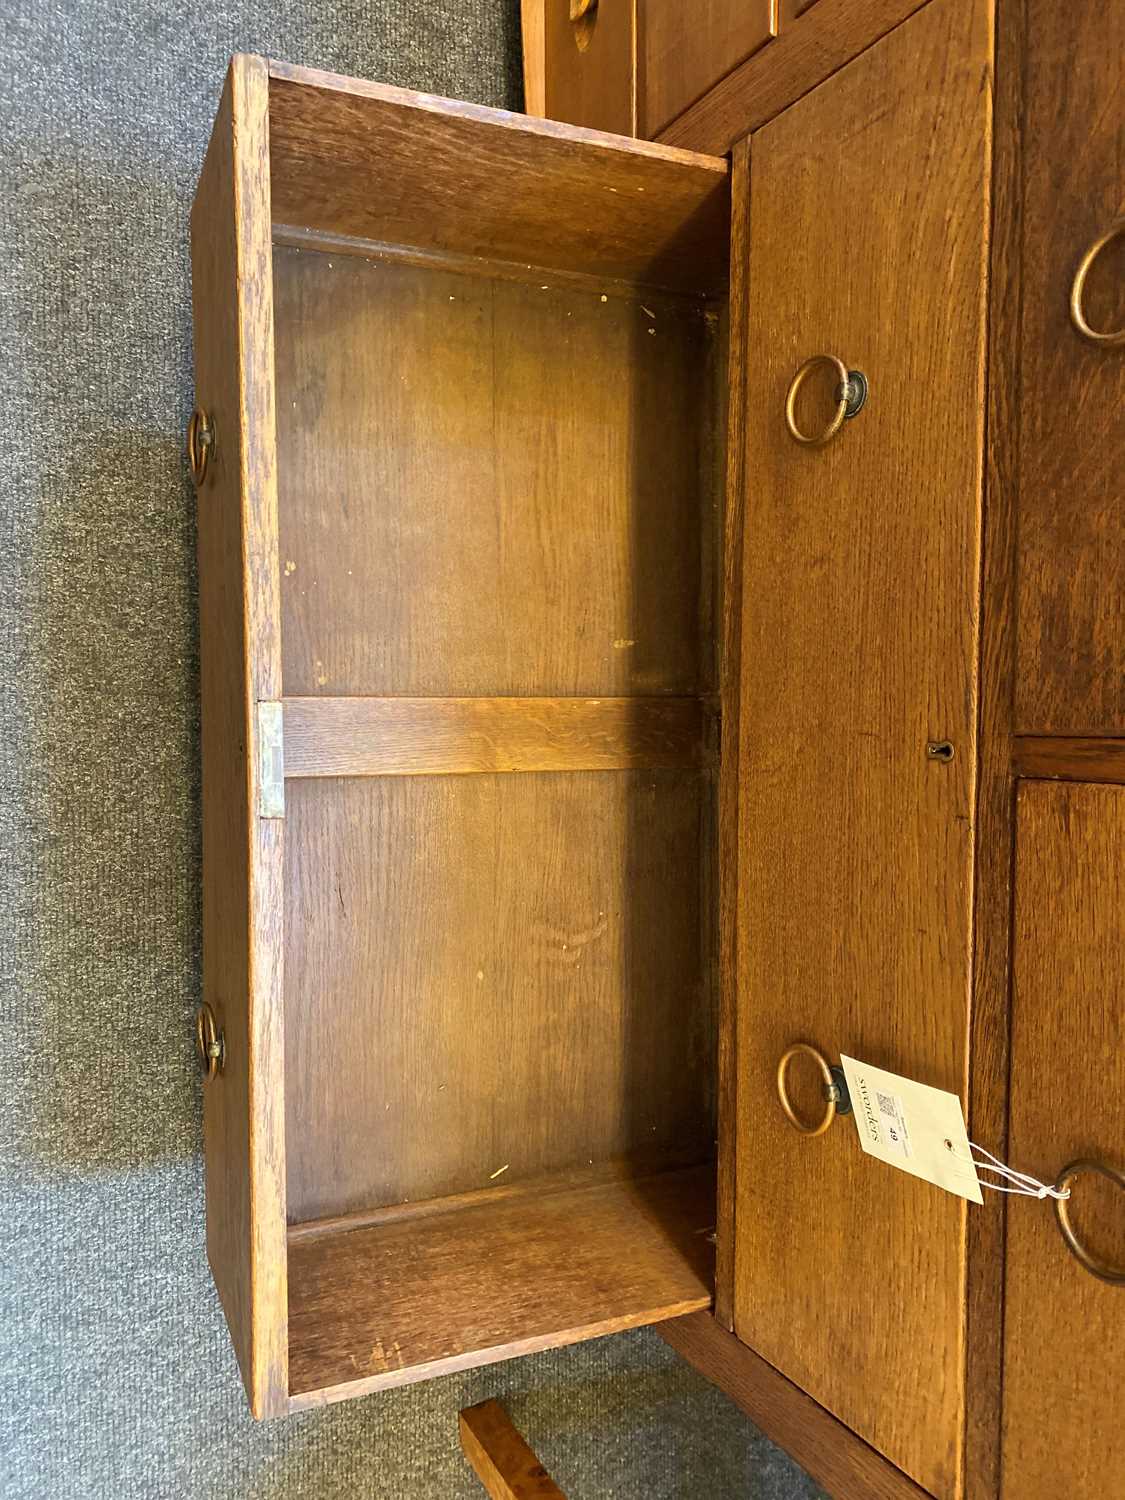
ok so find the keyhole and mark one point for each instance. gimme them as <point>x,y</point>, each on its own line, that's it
<point>939,749</point>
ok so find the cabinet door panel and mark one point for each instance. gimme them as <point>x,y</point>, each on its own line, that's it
<point>1064,1342</point>
<point>685,49</point>
<point>868,228</point>
<point>1072,432</point>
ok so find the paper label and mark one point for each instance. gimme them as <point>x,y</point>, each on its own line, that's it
<point>912,1126</point>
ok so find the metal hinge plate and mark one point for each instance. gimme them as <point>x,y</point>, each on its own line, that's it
<point>271,760</point>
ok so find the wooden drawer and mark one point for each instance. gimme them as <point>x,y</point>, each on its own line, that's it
<point>462,382</point>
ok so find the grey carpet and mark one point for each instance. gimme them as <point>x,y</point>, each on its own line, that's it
<point>117,1377</point>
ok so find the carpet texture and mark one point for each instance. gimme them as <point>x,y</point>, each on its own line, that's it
<point>117,1375</point>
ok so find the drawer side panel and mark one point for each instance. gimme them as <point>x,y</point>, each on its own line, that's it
<point>240,665</point>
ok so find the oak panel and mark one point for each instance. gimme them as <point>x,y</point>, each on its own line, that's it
<point>490,977</point>
<point>240,663</point>
<point>591,64</point>
<point>685,49</point>
<point>459,736</point>
<point>805,53</point>
<point>860,641</point>
<point>1062,1412</point>
<point>381,1307</point>
<point>1071,672</point>
<point>489,487</point>
<point>1053,756</point>
<point>383,163</point>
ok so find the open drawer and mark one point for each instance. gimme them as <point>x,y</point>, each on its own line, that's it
<point>460,382</point>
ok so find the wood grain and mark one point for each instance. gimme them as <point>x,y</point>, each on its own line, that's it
<point>734,512</point>
<point>459,736</point>
<point>491,974</point>
<point>382,163</point>
<point>240,663</point>
<point>500,1457</point>
<point>829,1452</point>
<point>995,811</point>
<point>584,1176</point>
<point>590,65</point>
<point>382,1307</point>
<point>788,11</point>
<point>533,46</point>
<point>805,53</point>
<point>1071,672</point>
<point>1064,1356</point>
<point>457,529</point>
<point>684,50</point>
<point>1066,759</point>
<point>859,645</point>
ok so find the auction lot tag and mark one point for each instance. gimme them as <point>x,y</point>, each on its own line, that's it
<point>912,1126</point>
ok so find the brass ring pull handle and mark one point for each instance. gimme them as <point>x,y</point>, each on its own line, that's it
<point>210,1043</point>
<point>583,17</point>
<point>831,1089</point>
<point>1113,340</point>
<point>851,393</point>
<point>200,441</point>
<point>1115,1275</point>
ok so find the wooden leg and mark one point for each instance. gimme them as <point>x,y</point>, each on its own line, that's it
<point>503,1462</point>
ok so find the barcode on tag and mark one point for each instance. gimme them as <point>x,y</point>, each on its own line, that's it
<point>893,1122</point>
<point>933,1147</point>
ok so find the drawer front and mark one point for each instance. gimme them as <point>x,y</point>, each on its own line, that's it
<point>588,62</point>
<point>859,644</point>
<point>685,50</point>
<point>1064,1345</point>
<point>1072,436</point>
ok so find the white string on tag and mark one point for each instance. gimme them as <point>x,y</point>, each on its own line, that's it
<point>1021,1183</point>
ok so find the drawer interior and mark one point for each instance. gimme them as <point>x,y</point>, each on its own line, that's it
<point>499,500</point>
